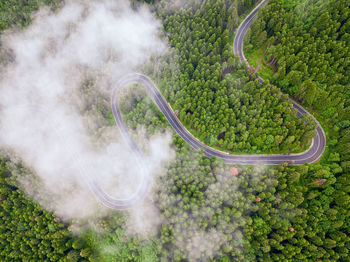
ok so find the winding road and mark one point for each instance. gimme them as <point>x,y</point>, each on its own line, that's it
<point>312,155</point>
<point>318,145</point>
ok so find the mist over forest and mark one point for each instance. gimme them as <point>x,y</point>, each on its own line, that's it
<point>59,64</point>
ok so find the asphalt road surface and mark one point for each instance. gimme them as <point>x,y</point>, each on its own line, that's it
<point>313,154</point>
<point>317,148</point>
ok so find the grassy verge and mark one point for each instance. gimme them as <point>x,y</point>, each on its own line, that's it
<point>253,55</point>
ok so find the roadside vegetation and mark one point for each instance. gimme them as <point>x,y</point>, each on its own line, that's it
<point>214,96</point>
<point>223,213</point>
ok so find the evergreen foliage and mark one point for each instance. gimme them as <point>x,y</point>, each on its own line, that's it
<point>214,96</point>
<point>282,213</point>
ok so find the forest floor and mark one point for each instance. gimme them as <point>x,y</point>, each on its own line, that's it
<point>259,64</point>
<point>257,57</point>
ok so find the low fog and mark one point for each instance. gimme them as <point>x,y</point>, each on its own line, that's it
<point>52,124</point>
<point>54,76</point>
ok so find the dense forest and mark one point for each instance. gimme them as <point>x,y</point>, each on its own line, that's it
<point>214,96</point>
<point>308,46</point>
<point>212,211</point>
